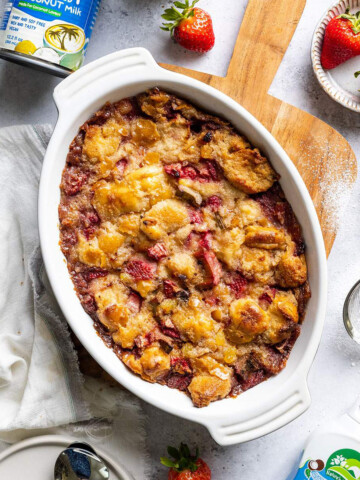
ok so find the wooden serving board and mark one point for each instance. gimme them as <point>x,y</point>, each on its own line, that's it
<point>322,156</point>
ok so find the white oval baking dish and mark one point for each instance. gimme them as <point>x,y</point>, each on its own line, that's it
<point>271,404</point>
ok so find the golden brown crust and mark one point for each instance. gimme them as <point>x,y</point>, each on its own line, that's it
<point>182,246</point>
<point>249,171</point>
<point>291,270</point>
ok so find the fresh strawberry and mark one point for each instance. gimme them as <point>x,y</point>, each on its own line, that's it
<point>186,466</point>
<point>341,40</point>
<point>192,27</point>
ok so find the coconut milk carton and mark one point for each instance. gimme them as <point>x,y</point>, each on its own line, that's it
<point>50,35</point>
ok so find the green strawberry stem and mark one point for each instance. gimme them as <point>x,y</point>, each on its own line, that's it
<point>182,459</point>
<point>357,74</point>
<point>174,17</point>
<point>354,19</point>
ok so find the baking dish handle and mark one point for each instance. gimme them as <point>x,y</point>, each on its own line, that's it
<point>103,72</point>
<point>290,404</point>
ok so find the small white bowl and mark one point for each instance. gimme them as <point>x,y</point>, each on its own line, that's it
<point>339,82</point>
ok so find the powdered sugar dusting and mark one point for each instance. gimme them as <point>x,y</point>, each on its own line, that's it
<point>329,182</point>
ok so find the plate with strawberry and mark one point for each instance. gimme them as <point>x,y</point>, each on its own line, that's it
<point>335,53</point>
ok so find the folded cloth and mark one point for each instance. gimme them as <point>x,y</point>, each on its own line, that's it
<point>41,386</point>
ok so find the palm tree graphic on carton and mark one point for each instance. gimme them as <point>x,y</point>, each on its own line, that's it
<point>62,33</point>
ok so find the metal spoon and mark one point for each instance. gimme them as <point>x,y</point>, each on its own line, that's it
<point>80,462</point>
<point>351,312</point>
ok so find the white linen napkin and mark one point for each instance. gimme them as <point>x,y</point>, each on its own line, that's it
<point>41,386</point>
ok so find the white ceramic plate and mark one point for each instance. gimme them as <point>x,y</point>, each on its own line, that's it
<point>339,82</point>
<point>269,405</point>
<point>34,459</point>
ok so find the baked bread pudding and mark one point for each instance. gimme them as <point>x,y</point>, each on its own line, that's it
<point>182,247</point>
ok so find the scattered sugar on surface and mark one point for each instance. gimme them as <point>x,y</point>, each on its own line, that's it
<point>334,186</point>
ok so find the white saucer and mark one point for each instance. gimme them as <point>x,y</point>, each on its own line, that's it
<point>34,459</point>
<point>339,82</point>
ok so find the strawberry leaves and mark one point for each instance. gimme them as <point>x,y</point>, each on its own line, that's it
<point>185,5</point>
<point>354,20</point>
<point>356,75</point>
<point>182,458</point>
<point>174,16</point>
